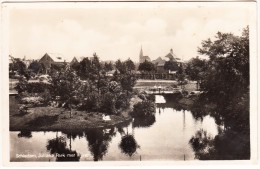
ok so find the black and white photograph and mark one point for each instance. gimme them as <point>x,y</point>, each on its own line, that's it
<point>130,81</point>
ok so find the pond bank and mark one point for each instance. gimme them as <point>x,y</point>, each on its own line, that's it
<point>53,118</point>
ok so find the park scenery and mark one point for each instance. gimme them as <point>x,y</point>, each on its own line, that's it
<point>91,108</point>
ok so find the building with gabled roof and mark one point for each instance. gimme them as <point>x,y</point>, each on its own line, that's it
<point>74,60</point>
<point>51,59</point>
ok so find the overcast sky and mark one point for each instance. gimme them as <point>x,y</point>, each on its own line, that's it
<point>117,31</point>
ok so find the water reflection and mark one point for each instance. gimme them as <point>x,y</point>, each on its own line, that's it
<point>172,133</point>
<point>227,145</point>
<point>98,141</point>
<point>58,148</point>
<point>147,121</point>
<point>25,134</point>
<point>128,145</point>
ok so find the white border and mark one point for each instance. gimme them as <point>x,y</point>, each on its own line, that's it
<point>5,88</point>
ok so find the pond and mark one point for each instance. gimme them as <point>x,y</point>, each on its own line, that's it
<point>164,136</point>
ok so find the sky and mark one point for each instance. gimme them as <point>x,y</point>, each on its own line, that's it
<point>118,30</point>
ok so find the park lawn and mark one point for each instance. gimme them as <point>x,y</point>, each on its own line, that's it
<point>53,119</point>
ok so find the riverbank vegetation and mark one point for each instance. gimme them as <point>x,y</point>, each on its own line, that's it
<point>82,93</point>
<point>224,80</point>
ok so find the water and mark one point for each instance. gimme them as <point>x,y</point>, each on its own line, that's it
<point>164,136</point>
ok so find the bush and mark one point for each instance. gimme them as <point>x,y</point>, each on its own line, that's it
<point>143,109</point>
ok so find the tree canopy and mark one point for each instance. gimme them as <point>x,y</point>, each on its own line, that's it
<point>146,66</point>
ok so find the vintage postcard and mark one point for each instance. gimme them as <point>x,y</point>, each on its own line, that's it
<point>129,83</point>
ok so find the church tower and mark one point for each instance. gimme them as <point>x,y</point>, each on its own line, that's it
<point>141,55</point>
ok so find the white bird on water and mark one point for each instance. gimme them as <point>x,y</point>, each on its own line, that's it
<point>106,117</point>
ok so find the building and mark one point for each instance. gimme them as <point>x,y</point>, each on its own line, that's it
<point>143,58</point>
<point>51,59</point>
<point>160,61</point>
<point>173,57</point>
<point>74,60</point>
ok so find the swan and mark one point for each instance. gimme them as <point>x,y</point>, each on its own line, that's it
<point>106,118</point>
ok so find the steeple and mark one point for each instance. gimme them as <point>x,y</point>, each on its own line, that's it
<point>141,53</point>
<point>171,51</point>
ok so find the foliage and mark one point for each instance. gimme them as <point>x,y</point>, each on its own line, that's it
<point>46,96</point>
<point>226,84</point>
<point>23,109</point>
<point>128,145</point>
<point>146,66</point>
<point>129,64</point>
<point>227,76</point>
<point>127,82</point>
<point>20,67</point>
<point>75,66</point>
<point>108,104</point>
<point>196,68</point>
<point>120,66</point>
<point>227,145</point>
<point>21,85</point>
<point>122,101</point>
<point>37,87</point>
<point>90,102</point>
<point>108,66</point>
<point>171,65</point>
<point>143,109</point>
<point>33,101</point>
<point>65,84</point>
<point>36,67</point>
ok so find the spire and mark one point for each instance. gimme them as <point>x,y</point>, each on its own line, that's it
<point>141,53</point>
<point>171,51</point>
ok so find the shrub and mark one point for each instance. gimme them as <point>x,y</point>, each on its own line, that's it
<point>142,109</point>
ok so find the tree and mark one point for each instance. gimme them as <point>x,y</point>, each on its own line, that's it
<point>108,66</point>
<point>84,68</point>
<point>146,66</point>
<point>129,64</point>
<point>20,67</point>
<point>65,84</point>
<point>226,81</point>
<point>127,82</point>
<point>181,76</point>
<point>36,67</point>
<point>76,66</point>
<point>171,65</point>
<point>108,103</point>
<point>227,75</point>
<point>196,69</point>
<point>120,66</point>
